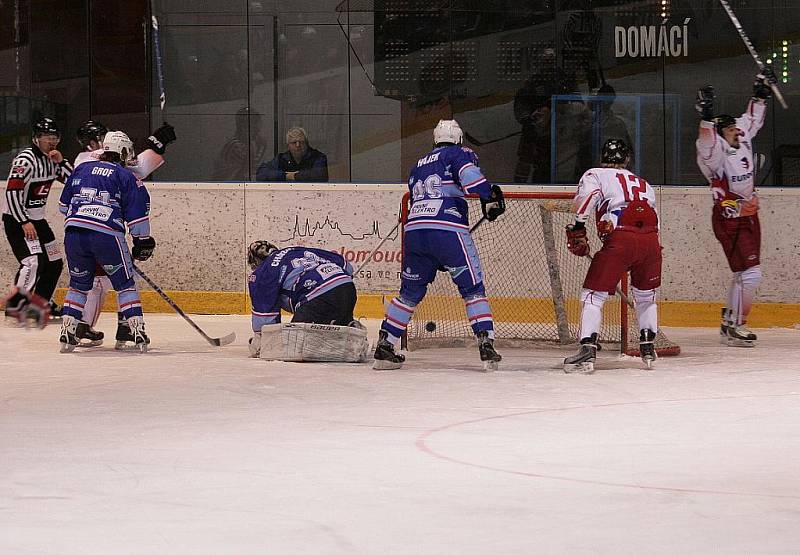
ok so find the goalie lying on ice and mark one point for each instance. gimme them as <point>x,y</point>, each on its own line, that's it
<point>317,287</point>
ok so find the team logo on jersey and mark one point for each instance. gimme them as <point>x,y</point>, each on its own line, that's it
<point>455,271</point>
<point>309,283</point>
<point>111,269</point>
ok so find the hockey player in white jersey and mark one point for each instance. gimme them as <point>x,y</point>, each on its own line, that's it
<point>725,156</point>
<point>624,206</point>
<point>90,136</point>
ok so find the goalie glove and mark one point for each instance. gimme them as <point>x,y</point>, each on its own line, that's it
<point>577,243</point>
<point>160,138</point>
<point>495,205</point>
<point>255,345</point>
<point>704,105</point>
<point>143,248</point>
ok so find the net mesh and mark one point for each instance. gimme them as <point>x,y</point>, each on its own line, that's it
<point>532,281</point>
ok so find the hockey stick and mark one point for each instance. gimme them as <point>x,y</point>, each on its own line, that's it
<point>477,224</point>
<point>752,50</point>
<point>159,62</point>
<point>216,341</point>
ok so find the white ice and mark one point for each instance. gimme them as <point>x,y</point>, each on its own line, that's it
<point>195,449</point>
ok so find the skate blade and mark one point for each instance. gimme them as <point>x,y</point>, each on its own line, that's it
<point>90,343</point>
<point>67,348</point>
<point>733,342</point>
<point>128,346</point>
<point>386,365</point>
<point>579,368</point>
<point>648,362</point>
<point>490,365</point>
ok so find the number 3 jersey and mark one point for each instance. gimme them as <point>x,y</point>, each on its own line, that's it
<point>292,276</point>
<point>438,183</point>
<point>617,196</point>
<point>104,197</point>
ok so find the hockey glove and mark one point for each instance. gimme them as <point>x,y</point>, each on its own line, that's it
<point>577,243</point>
<point>161,137</point>
<point>495,205</point>
<point>604,229</point>
<point>705,103</point>
<point>143,248</point>
<point>28,308</point>
<point>761,86</point>
<point>255,345</point>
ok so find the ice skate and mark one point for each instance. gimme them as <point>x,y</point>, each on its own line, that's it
<point>72,331</point>
<point>647,347</point>
<point>385,357</point>
<point>583,361</point>
<point>489,356</point>
<point>91,338</point>
<point>131,334</point>
<point>740,336</point>
<point>724,326</point>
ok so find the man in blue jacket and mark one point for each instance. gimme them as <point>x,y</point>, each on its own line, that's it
<point>299,163</point>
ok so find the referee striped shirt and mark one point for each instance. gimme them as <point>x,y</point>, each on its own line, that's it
<point>28,186</point>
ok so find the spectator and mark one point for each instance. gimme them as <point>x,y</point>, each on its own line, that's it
<point>299,163</point>
<point>233,162</point>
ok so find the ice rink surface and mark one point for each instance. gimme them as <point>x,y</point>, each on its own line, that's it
<point>196,449</point>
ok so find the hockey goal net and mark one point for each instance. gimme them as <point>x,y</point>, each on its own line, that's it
<point>532,281</point>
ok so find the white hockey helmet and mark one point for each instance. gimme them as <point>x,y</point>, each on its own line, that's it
<point>119,142</point>
<point>448,131</point>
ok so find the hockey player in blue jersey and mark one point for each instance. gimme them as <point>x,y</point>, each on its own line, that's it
<point>315,285</point>
<point>436,237</point>
<point>99,200</point>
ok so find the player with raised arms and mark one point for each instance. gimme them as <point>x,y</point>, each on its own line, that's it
<point>436,237</point>
<point>100,200</point>
<point>725,156</point>
<point>624,206</point>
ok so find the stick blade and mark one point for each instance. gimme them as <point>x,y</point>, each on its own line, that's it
<point>222,341</point>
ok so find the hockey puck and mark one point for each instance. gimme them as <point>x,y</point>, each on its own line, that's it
<point>430,326</point>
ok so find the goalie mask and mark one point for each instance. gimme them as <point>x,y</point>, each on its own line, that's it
<point>448,131</point>
<point>258,252</point>
<point>119,143</point>
<point>615,151</point>
<point>91,131</point>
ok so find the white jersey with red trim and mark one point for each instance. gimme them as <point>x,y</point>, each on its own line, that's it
<point>147,161</point>
<point>607,192</point>
<point>730,171</point>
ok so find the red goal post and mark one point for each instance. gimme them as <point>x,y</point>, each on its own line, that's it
<point>532,281</point>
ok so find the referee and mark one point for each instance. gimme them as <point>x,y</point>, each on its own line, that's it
<point>39,254</point>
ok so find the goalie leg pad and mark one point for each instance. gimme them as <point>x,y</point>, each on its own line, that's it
<point>302,342</point>
<point>94,301</point>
